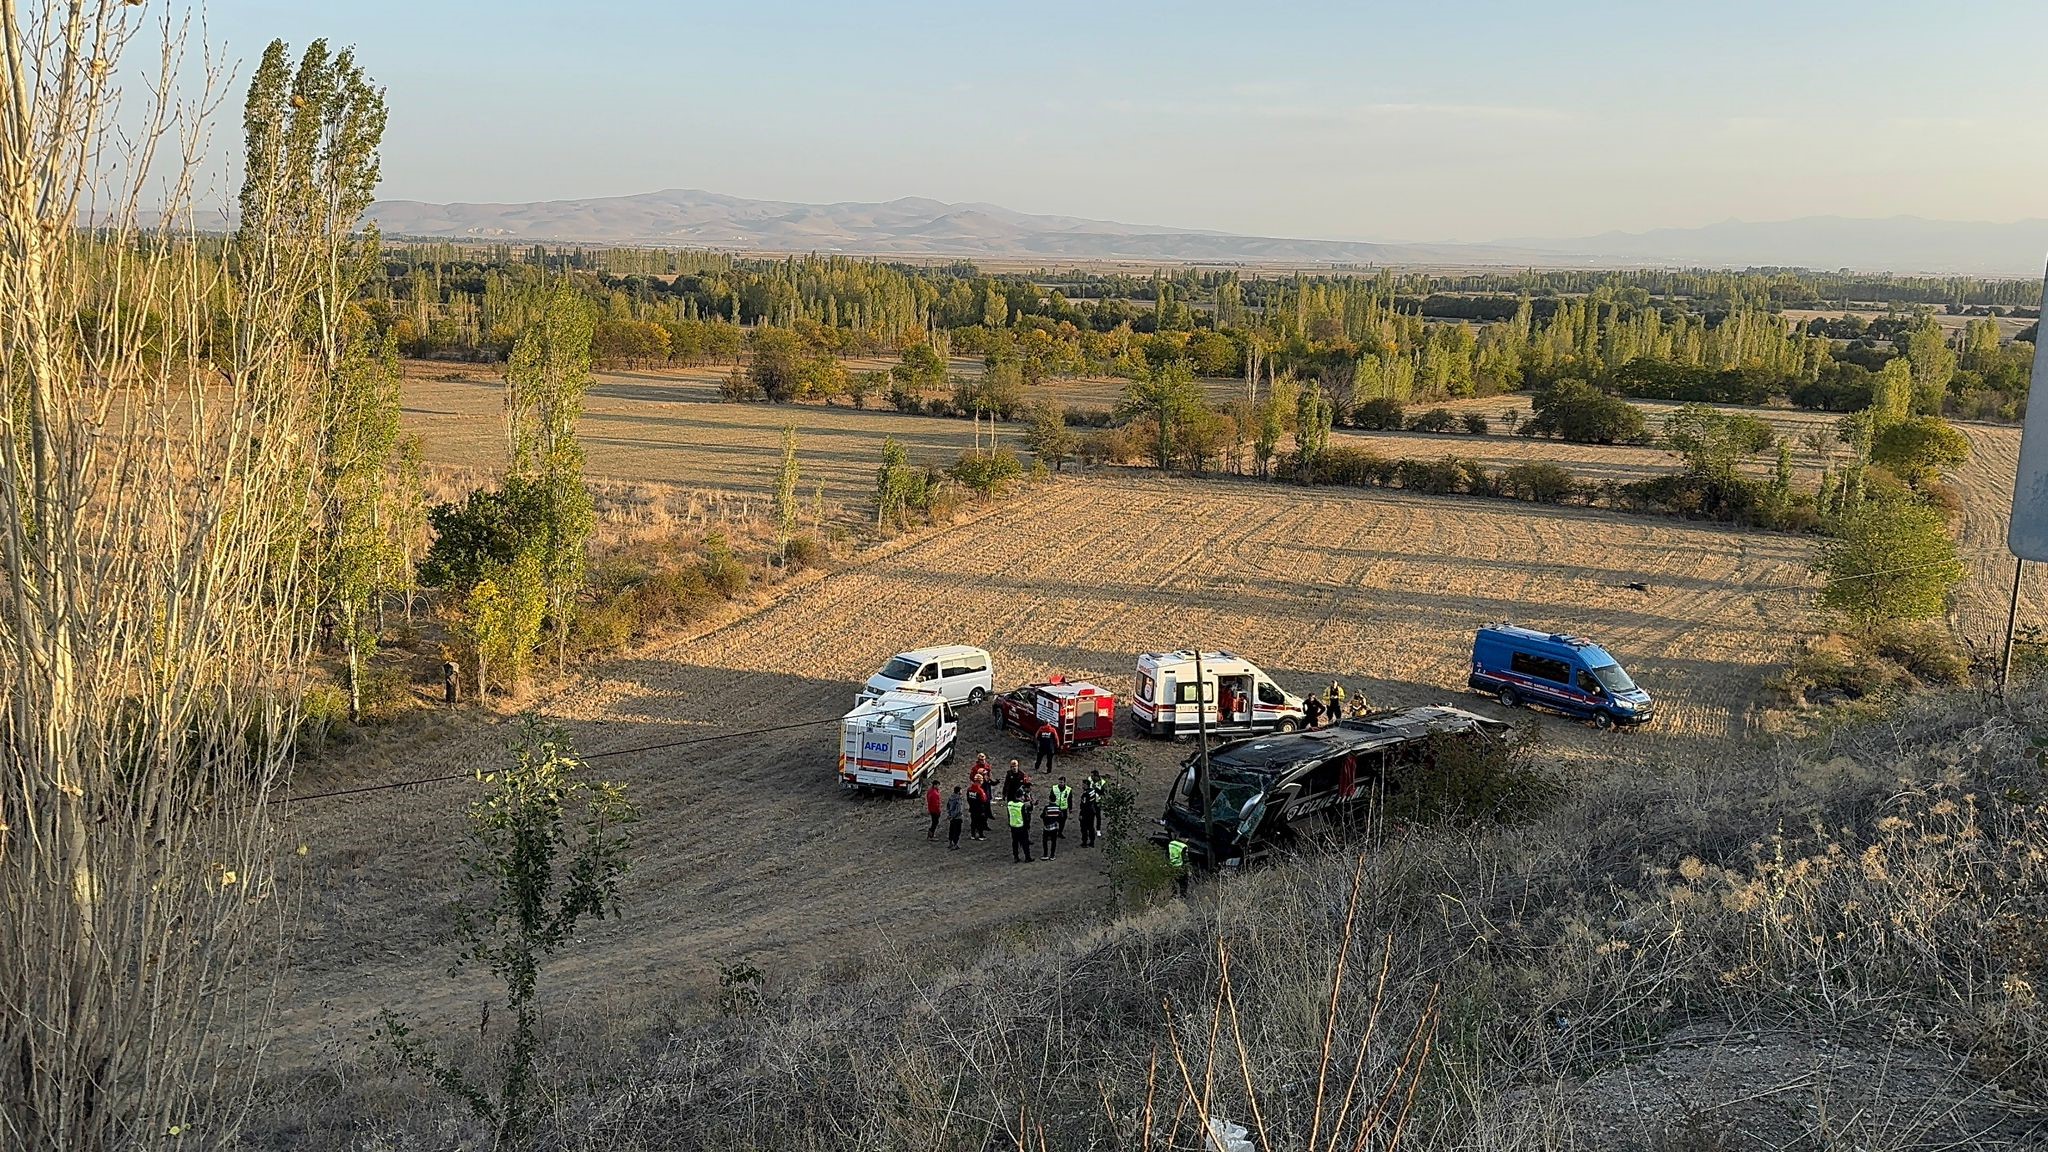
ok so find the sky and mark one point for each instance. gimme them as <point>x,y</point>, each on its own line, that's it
<point>1366,121</point>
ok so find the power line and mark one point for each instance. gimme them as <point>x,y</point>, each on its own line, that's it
<point>663,746</point>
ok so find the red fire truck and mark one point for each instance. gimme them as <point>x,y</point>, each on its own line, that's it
<point>1081,713</point>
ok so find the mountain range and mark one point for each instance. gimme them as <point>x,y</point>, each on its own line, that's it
<point>913,226</point>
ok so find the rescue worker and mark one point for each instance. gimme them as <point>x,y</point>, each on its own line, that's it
<point>983,772</point>
<point>1177,859</point>
<point>1090,814</point>
<point>1020,831</point>
<point>1048,743</point>
<point>1360,707</point>
<point>1335,708</point>
<point>1313,712</point>
<point>1063,795</point>
<point>953,806</point>
<point>1054,823</point>
<point>933,802</point>
<point>977,809</point>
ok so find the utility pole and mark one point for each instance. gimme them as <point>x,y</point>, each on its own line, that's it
<point>1208,786</point>
<point>2012,613</point>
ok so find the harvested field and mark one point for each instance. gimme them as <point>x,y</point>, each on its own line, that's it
<point>1985,486</point>
<point>749,849</point>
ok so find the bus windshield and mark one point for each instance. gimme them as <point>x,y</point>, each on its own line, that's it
<point>1613,679</point>
<point>1233,797</point>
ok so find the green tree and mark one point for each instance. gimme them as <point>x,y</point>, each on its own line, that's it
<point>1933,365</point>
<point>900,486</point>
<point>1891,394</point>
<point>547,848</point>
<point>1162,396</point>
<point>355,547</point>
<point>1272,425</point>
<point>546,378</point>
<point>785,494</point>
<point>985,472</point>
<point>1889,560</point>
<point>776,363</point>
<point>1918,448</point>
<point>1311,429</point>
<point>1714,442</point>
<point>1048,436</point>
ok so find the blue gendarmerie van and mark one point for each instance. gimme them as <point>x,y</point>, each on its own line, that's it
<point>1556,671</point>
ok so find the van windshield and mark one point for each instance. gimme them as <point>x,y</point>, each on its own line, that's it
<point>1613,679</point>
<point>900,669</point>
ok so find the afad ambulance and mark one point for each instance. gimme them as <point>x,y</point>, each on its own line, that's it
<point>1238,697</point>
<point>896,741</point>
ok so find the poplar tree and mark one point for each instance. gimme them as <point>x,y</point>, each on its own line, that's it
<point>785,495</point>
<point>545,380</point>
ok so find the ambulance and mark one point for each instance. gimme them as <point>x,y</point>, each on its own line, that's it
<point>896,741</point>
<point>1169,702</point>
<point>1081,714</point>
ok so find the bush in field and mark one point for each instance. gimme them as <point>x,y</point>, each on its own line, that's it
<point>1434,420</point>
<point>1576,411</point>
<point>1048,436</point>
<point>1382,415</point>
<point>1889,560</point>
<point>723,572</point>
<point>985,473</point>
<point>1917,449</point>
<point>1540,481</point>
<point>1476,424</point>
<point>738,387</point>
<point>1358,467</point>
<point>1436,477</point>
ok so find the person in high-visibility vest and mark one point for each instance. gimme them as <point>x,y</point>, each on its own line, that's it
<point>1063,795</point>
<point>1020,830</point>
<point>1177,859</point>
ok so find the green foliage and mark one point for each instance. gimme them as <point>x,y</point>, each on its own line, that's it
<point>722,571</point>
<point>1476,424</point>
<point>1165,398</point>
<point>488,529</point>
<point>1048,436</point>
<point>1917,448</point>
<point>1137,869</point>
<point>775,364</point>
<point>1459,780</point>
<point>785,494</point>
<point>1539,481</point>
<point>546,850</point>
<point>1576,411</point>
<point>901,487</point>
<point>1434,420</point>
<point>1889,560</point>
<point>498,623</point>
<point>546,377</point>
<point>1891,394</point>
<point>984,473</point>
<point>1933,365</point>
<point>1381,414</point>
<point>1713,442</point>
<point>1312,415</point>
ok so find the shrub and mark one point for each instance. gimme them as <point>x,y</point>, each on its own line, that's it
<point>722,570</point>
<point>985,473</point>
<point>323,716</point>
<point>1540,481</point>
<point>1434,420</point>
<point>1436,477</point>
<point>1382,415</point>
<point>1576,411</point>
<point>738,387</point>
<point>1344,464</point>
<point>1925,650</point>
<point>804,551</point>
<point>1476,424</point>
<point>1918,448</point>
<point>1888,561</point>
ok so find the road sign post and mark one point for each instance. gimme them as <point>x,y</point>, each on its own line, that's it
<point>2027,534</point>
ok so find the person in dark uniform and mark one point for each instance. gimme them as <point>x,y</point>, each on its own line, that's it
<point>1054,823</point>
<point>954,804</point>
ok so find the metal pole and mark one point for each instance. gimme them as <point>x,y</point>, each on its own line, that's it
<point>2012,613</point>
<point>1202,734</point>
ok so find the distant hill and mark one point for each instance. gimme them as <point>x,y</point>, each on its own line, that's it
<point>914,226</point>
<point>1902,244</point>
<point>911,226</point>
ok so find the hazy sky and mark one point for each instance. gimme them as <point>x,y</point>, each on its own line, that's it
<point>1404,121</point>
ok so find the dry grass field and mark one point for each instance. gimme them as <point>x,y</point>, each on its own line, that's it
<point>748,847</point>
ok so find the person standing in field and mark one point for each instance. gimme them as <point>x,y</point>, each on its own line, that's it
<point>1048,744</point>
<point>1054,823</point>
<point>1312,713</point>
<point>1063,794</point>
<point>977,809</point>
<point>933,802</point>
<point>1013,782</point>
<point>953,806</point>
<point>1019,813</point>
<point>1091,812</point>
<point>1335,708</point>
<point>1177,860</point>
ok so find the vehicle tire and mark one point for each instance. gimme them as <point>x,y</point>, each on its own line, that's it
<point>1284,727</point>
<point>977,696</point>
<point>1509,698</point>
<point>1603,721</point>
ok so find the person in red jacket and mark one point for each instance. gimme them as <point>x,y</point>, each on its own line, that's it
<point>977,809</point>
<point>934,803</point>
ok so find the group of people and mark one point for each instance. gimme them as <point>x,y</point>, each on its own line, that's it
<point>1331,707</point>
<point>983,800</point>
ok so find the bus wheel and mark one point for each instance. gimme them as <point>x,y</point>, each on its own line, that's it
<point>1509,698</point>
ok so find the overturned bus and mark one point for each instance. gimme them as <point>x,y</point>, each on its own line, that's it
<point>1268,792</point>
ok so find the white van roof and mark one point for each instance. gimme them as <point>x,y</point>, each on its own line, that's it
<point>1187,656</point>
<point>898,708</point>
<point>942,652</point>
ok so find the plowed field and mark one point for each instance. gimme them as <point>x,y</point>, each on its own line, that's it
<point>748,848</point>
